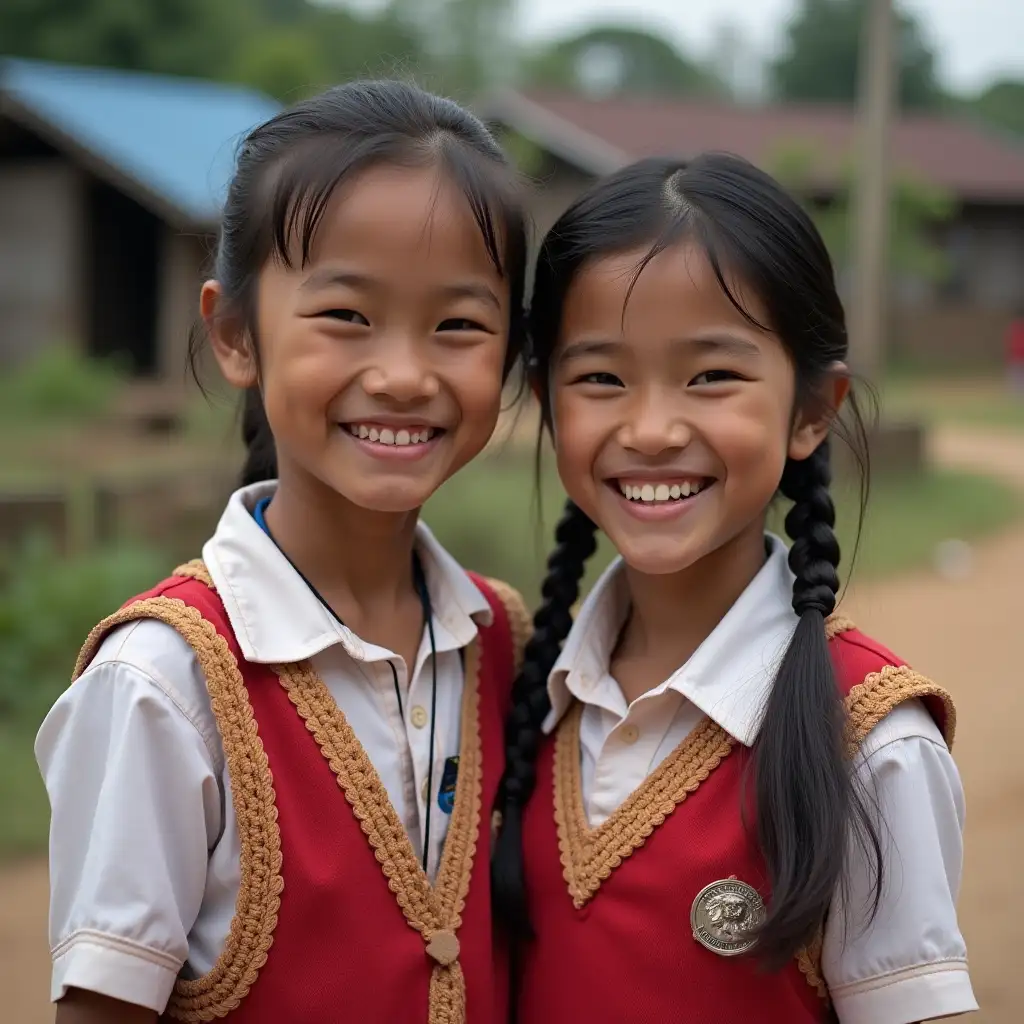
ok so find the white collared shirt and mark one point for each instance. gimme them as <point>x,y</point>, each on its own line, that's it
<point>910,963</point>
<point>144,849</point>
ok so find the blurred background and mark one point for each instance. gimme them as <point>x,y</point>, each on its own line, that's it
<point>900,125</point>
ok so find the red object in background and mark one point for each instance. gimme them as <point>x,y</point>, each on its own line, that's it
<point>1015,343</point>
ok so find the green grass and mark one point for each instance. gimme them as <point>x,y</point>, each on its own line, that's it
<point>24,810</point>
<point>966,401</point>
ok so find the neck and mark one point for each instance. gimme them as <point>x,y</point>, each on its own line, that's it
<point>351,555</point>
<point>673,614</point>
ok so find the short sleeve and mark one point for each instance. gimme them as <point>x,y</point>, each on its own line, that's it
<point>909,963</point>
<point>130,762</point>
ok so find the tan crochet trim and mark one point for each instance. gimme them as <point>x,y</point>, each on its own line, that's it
<point>252,792</point>
<point>196,569</point>
<point>836,624</point>
<point>519,622</point>
<point>809,962</point>
<point>435,912</point>
<point>869,702</point>
<point>590,855</point>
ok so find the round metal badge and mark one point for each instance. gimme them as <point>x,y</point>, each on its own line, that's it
<point>724,914</point>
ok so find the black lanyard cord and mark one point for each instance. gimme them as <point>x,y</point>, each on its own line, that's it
<point>420,583</point>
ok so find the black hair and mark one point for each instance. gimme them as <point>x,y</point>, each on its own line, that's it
<point>747,225</point>
<point>289,167</point>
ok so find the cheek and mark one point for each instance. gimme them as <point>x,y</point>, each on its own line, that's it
<point>579,436</point>
<point>753,443</point>
<point>476,382</point>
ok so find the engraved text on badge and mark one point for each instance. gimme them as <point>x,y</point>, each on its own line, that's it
<point>726,915</point>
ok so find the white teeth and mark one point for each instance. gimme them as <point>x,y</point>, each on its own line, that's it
<point>659,492</point>
<point>391,437</point>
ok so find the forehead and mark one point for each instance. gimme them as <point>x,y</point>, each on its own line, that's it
<point>403,219</point>
<point>675,294</point>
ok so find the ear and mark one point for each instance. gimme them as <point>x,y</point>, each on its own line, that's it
<point>815,420</point>
<point>229,339</point>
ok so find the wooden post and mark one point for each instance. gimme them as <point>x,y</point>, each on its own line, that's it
<point>869,314</point>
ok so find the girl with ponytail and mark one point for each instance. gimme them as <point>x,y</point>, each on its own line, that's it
<point>721,800</point>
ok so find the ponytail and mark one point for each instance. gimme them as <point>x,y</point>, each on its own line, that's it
<point>804,788</point>
<point>574,544</point>
<point>260,453</point>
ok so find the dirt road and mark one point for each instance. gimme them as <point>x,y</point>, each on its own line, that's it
<point>966,634</point>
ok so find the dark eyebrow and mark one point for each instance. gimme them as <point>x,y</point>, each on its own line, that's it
<point>730,344</point>
<point>324,277</point>
<point>471,290</point>
<point>711,344</point>
<point>594,347</point>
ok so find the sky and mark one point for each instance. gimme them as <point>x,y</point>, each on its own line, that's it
<point>977,40</point>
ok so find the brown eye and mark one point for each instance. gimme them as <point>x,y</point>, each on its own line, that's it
<point>459,323</point>
<point>600,378</point>
<point>715,377</point>
<point>348,316</point>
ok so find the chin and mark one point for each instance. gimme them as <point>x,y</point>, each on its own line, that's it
<point>656,557</point>
<point>391,499</point>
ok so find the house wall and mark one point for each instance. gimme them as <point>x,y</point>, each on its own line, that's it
<point>182,261</point>
<point>41,225</point>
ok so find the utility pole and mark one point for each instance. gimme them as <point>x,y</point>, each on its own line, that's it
<point>869,315</point>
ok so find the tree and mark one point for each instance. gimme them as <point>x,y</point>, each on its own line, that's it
<point>821,58</point>
<point>187,37</point>
<point>610,59</point>
<point>1001,105</point>
<point>468,44</point>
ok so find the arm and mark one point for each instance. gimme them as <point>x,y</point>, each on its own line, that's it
<point>79,1007</point>
<point>910,962</point>
<point>135,807</point>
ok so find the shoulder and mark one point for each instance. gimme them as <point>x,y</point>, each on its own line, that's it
<point>509,610</point>
<point>148,661</point>
<point>875,682</point>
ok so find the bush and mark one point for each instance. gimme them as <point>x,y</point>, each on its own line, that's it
<point>48,604</point>
<point>60,384</point>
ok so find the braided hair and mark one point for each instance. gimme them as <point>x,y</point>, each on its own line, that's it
<point>260,452</point>
<point>807,805</point>
<point>575,542</point>
<point>289,168</point>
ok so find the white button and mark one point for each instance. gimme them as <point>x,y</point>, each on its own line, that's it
<point>418,716</point>
<point>630,734</point>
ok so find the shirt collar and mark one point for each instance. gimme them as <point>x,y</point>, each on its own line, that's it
<point>729,677</point>
<point>277,619</point>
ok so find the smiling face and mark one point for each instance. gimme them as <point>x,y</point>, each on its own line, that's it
<point>673,414</point>
<point>381,360</point>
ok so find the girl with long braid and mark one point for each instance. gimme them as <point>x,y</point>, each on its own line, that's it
<point>732,805</point>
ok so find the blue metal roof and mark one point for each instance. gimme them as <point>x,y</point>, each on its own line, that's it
<point>174,138</point>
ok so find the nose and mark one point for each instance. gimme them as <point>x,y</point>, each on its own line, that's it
<point>398,372</point>
<point>655,425</point>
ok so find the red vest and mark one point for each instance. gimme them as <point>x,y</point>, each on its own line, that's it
<point>335,918</point>
<point>611,906</point>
